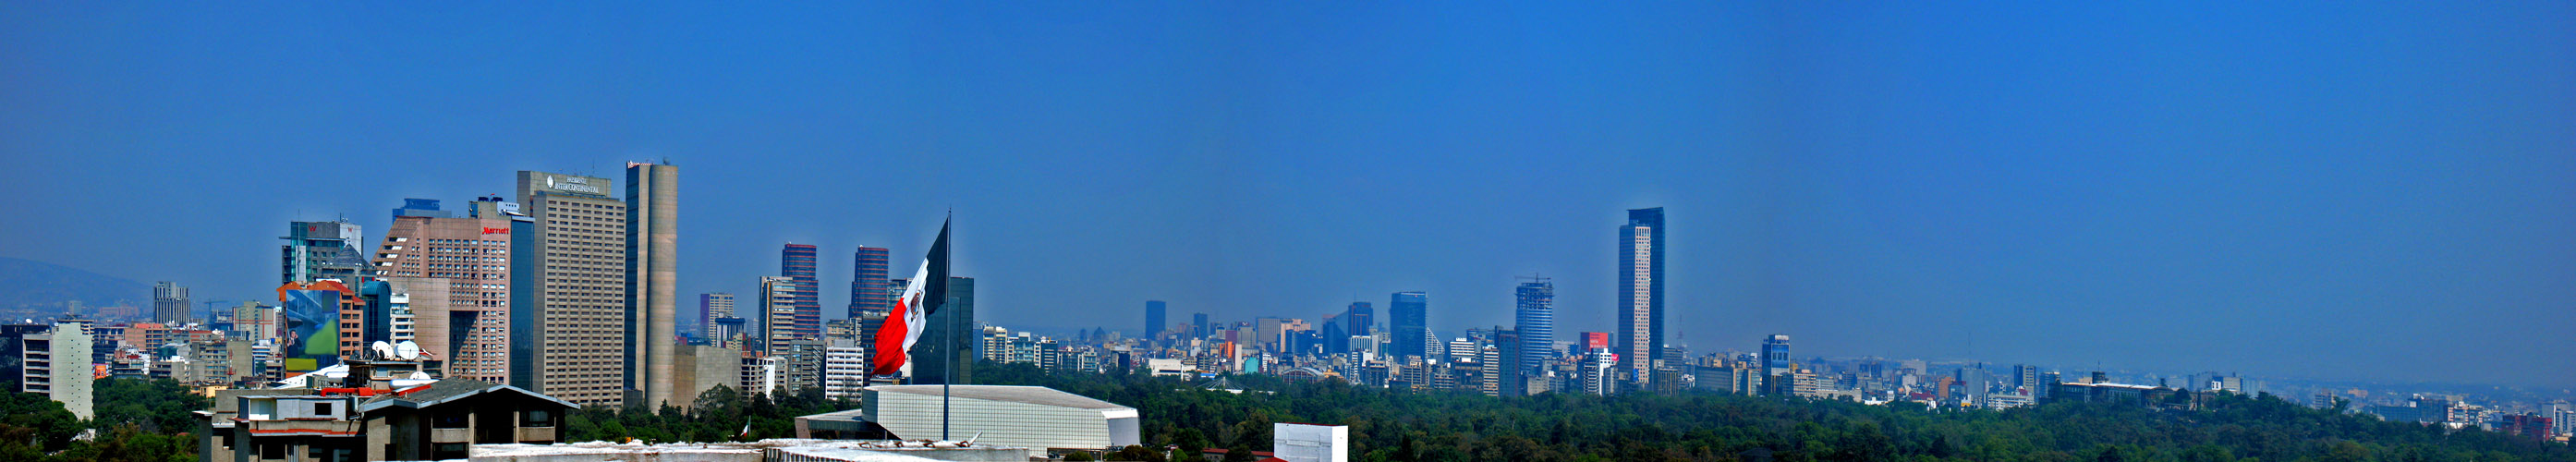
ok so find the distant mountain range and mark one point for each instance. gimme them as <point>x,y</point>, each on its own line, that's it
<point>29,283</point>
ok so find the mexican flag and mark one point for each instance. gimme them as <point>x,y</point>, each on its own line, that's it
<point>927,290</point>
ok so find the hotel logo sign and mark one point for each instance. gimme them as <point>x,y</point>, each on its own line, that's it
<point>575,184</point>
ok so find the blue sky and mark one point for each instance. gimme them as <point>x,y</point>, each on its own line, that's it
<point>2332,190</point>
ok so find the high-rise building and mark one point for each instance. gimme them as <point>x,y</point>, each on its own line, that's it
<point>1199,327</point>
<point>1410,320</point>
<point>727,332</point>
<point>1641,292</point>
<point>712,306</point>
<point>169,303</point>
<point>801,364</point>
<point>469,258</point>
<point>1510,372</point>
<point>255,322</point>
<point>1534,322</point>
<point>869,322</point>
<point>1593,371</point>
<point>2026,378</point>
<point>652,278</point>
<point>1334,339</point>
<point>1589,341</point>
<point>868,291</point>
<point>2535,427</point>
<point>1359,318</point>
<point>777,314</point>
<point>56,364</point>
<point>317,250</point>
<point>2562,417</point>
<point>845,367</point>
<point>952,329</point>
<point>409,309</point>
<point>1775,358</point>
<point>1154,325</point>
<point>796,261</point>
<point>569,331</point>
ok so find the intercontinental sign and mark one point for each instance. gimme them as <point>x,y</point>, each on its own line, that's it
<point>575,184</point>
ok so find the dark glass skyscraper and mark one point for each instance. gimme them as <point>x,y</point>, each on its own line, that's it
<point>1534,322</point>
<point>1336,340</point>
<point>1514,372</point>
<point>1199,325</point>
<point>1640,336</point>
<point>1775,360</point>
<point>868,290</point>
<point>1410,322</point>
<point>954,327</point>
<point>1360,319</point>
<point>796,262</point>
<point>1154,325</point>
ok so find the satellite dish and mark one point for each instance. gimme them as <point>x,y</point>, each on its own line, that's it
<point>407,350</point>
<point>383,350</point>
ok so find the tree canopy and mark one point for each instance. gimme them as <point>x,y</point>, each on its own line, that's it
<point>1397,425</point>
<point>138,420</point>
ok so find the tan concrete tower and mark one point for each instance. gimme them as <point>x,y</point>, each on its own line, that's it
<point>652,270</point>
<point>568,321</point>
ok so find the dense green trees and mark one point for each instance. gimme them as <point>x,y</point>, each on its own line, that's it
<point>31,423</point>
<point>1389,425</point>
<point>1425,426</point>
<point>153,406</point>
<point>138,420</point>
<point>142,420</point>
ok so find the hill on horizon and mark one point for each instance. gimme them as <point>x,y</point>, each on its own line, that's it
<point>33,283</point>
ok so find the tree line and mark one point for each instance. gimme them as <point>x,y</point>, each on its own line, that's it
<point>152,420</point>
<point>1399,425</point>
<point>137,420</point>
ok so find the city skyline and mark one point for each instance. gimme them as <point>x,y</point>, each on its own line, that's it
<point>2227,220</point>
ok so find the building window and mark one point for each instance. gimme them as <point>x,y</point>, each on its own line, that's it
<point>536,418</point>
<point>322,409</point>
<point>449,420</point>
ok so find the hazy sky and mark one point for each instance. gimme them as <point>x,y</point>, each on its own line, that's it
<point>2328,190</point>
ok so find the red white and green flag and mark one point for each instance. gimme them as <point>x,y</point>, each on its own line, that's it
<point>922,297</point>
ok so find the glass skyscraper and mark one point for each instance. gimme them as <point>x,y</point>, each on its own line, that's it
<point>868,291</point>
<point>796,262</point>
<point>1154,325</point>
<point>1640,336</point>
<point>1534,322</point>
<point>1359,319</point>
<point>1775,361</point>
<point>1410,322</point>
<point>952,328</point>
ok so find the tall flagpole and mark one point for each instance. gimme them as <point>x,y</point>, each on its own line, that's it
<point>948,366</point>
<point>948,374</point>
